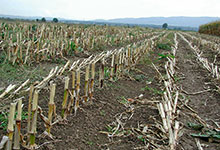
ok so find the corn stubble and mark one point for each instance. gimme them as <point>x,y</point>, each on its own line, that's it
<point>33,129</point>
<point>38,50</point>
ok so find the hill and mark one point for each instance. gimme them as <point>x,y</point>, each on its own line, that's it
<point>178,23</point>
<point>174,21</point>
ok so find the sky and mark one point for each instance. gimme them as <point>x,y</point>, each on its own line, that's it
<point>110,9</point>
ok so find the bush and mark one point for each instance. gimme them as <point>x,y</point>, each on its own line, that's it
<point>43,19</point>
<point>165,26</point>
<point>212,28</point>
<point>55,20</point>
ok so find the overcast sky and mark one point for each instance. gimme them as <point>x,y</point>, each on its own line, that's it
<point>109,9</point>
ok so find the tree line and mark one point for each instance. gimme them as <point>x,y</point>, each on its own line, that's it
<point>44,20</point>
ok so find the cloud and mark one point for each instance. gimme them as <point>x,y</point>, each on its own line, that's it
<point>47,12</point>
<point>106,9</point>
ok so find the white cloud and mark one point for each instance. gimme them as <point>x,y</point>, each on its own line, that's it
<point>106,9</point>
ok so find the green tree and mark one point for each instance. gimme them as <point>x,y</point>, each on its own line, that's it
<point>43,19</point>
<point>37,20</point>
<point>165,26</point>
<point>55,20</point>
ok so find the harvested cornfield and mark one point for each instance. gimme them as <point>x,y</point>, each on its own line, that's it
<point>149,89</point>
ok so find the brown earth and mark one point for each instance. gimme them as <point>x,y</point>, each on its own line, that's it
<point>205,104</point>
<point>83,131</point>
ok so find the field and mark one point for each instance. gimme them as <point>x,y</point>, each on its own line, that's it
<point>89,87</point>
<point>210,28</point>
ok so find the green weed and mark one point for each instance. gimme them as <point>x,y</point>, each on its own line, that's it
<point>139,77</point>
<point>140,137</point>
<point>122,100</point>
<point>163,46</point>
<point>2,57</point>
<point>4,118</point>
<point>109,128</point>
<point>102,113</point>
<point>72,48</point>
<point>176,78</point>
<point>153,90</point>
<point>90,143</point>
<point>106,72</point>
<point>162,56</point>
<point>112,85</point>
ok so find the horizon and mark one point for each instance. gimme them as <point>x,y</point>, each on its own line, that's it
<point>105,10</point>
<point>185,22</point>
<point>113,18</point>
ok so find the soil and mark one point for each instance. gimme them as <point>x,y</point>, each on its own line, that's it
<point>116,106</point>
<point>84,131</point>
<point>206,104</point>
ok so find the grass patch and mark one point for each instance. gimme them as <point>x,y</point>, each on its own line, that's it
<point>170,36</point>
<point>146,60</point>
<point>164,46</point>
<point>14,74</point>
<point>166,43</point>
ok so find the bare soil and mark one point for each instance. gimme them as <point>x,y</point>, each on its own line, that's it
<point>206,104</point>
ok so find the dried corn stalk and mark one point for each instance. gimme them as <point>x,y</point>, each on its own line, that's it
<point>112,68</point>
<point>77,91</point>
<point>18,126</point>
<point>86,88</point>
<point>101,74</point>
<point>29,108</point>
<point>9,88</point>
<point>10,128</point>
<point>52,107</point>
<point>65,97</point>
<point>91,88</point>
<point>73,94</point>
<point>33,130</point>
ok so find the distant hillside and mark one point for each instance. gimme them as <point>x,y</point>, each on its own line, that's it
<point>174,21</point>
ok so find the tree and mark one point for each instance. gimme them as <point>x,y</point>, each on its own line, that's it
<point>165,26</point>
<point>43,19</point>
<point>37,20</point>
<point>55,20</point>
